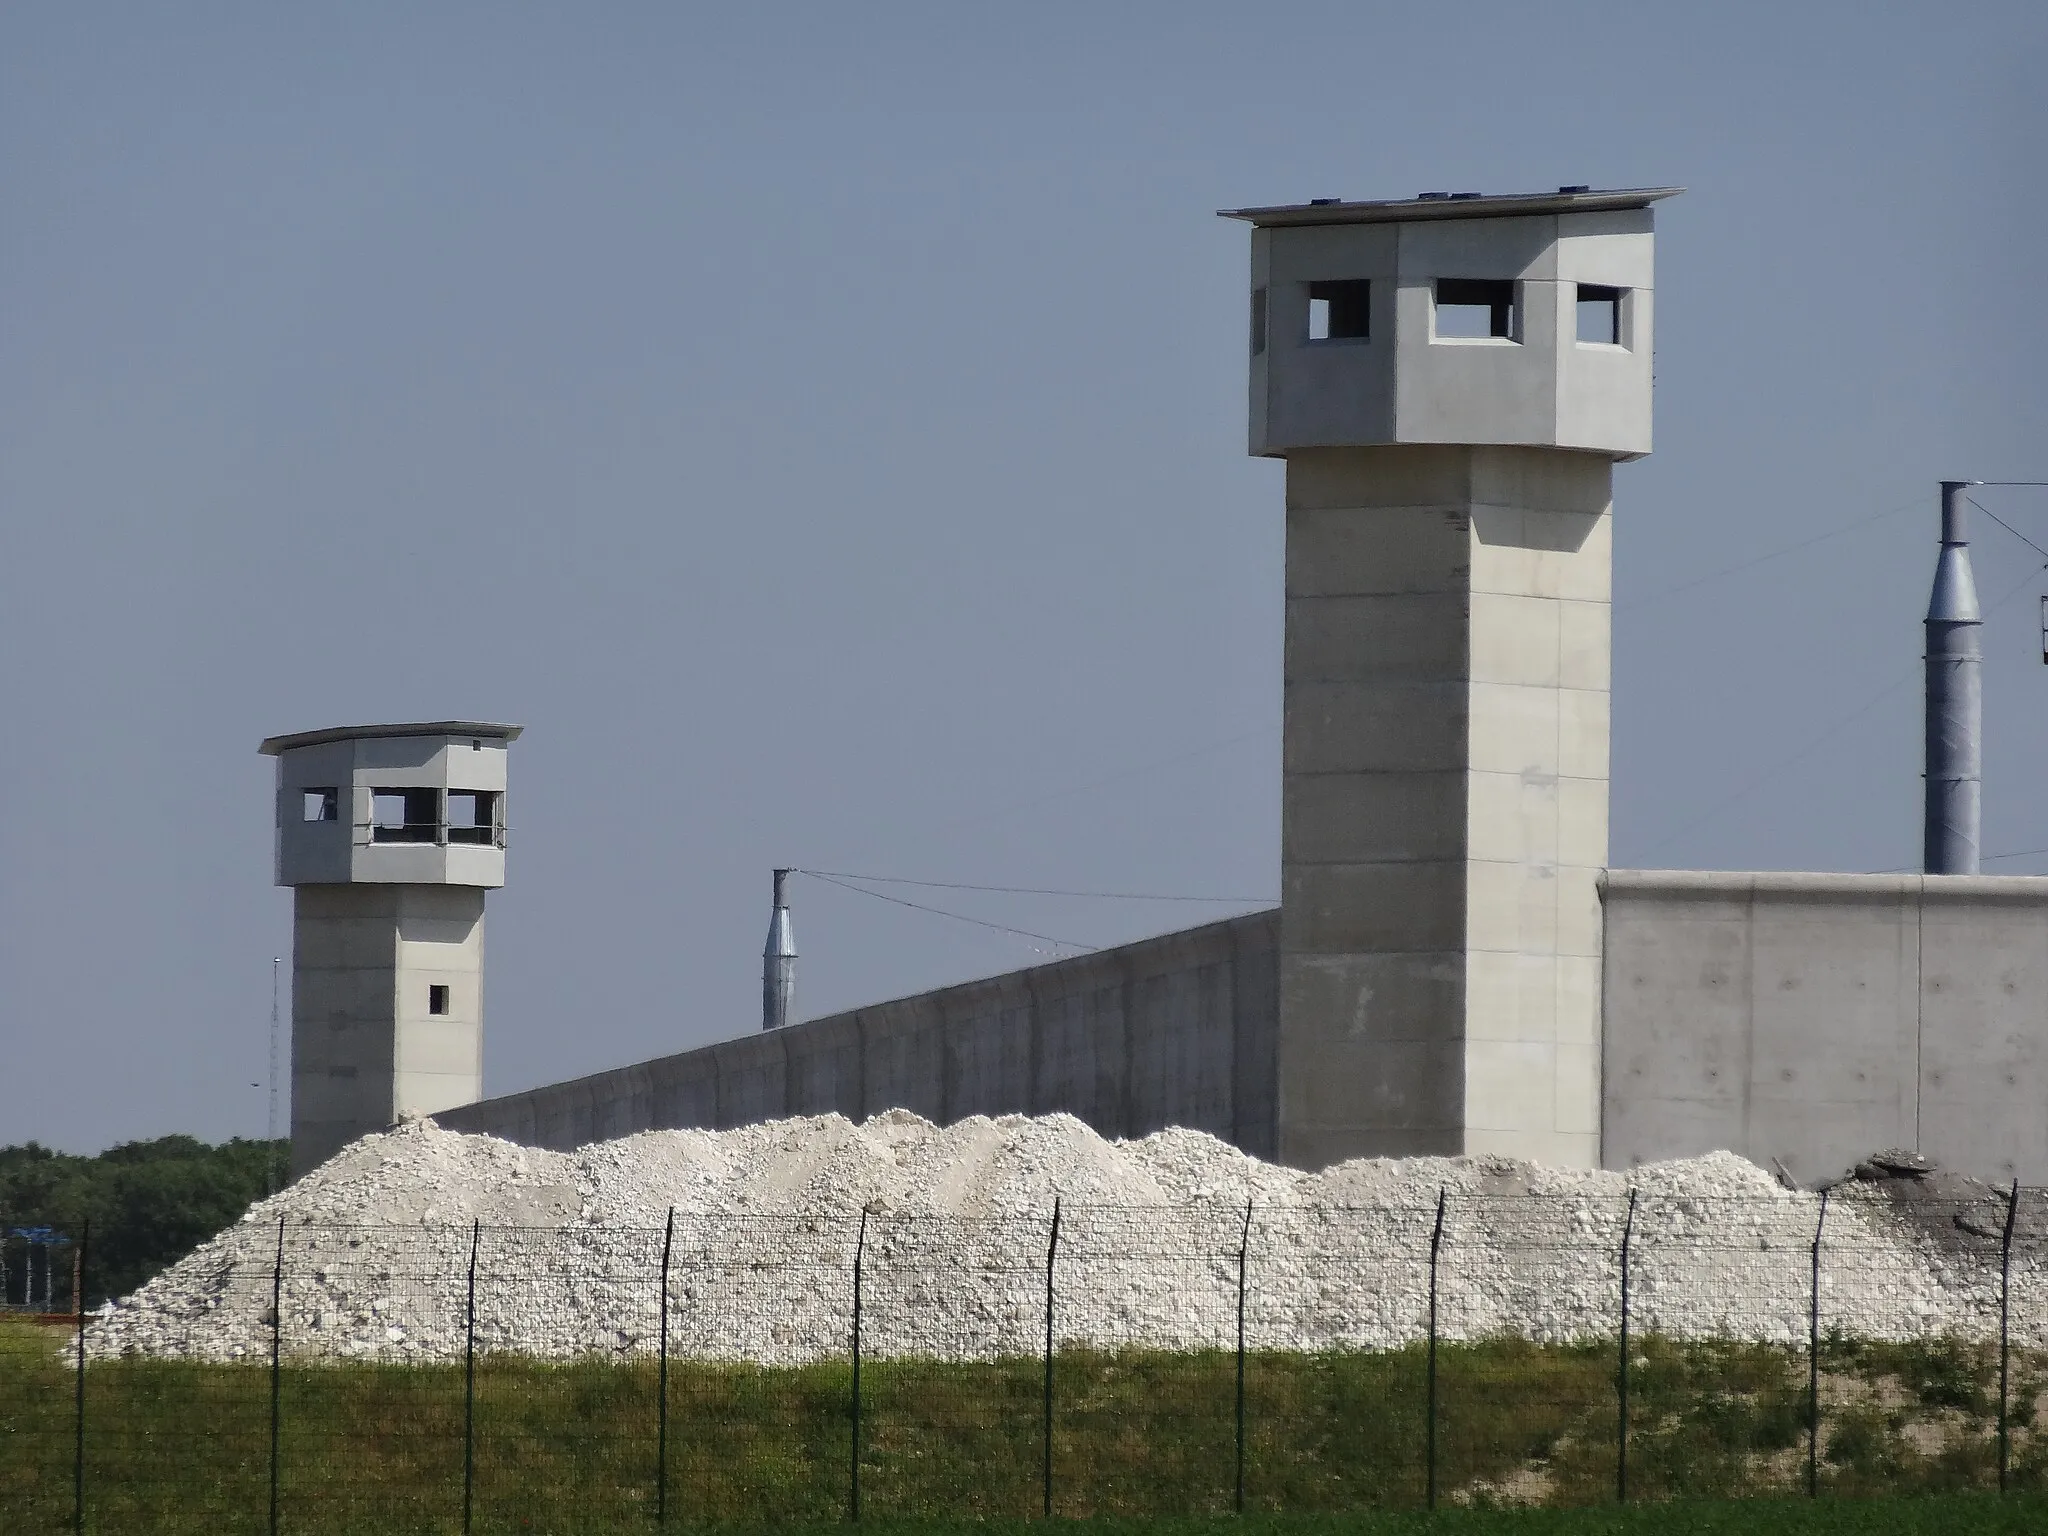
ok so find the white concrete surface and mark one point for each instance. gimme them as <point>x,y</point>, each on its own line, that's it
<point>1444,802</point>
<point>1807,1020</point>
<point>367,1049</point>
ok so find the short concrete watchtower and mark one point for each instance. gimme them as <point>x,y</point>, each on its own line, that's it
<point>389,835</point>
<point>1450,380</point>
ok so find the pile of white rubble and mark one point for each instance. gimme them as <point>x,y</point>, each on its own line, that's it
<point>371,1254</point>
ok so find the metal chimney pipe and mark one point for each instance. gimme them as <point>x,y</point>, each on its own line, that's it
<point>1955,701</point>
<point>778,961</point>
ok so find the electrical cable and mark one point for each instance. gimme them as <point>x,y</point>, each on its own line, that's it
<point>1783,763</point>
<point>1789,549</point>
<point>958,917</point>
<point>1817,742</point>
<point>2008,527</point>
<point>1033,890</point>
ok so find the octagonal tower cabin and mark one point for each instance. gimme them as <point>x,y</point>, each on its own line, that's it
<point>388,835</point>
<point>1451,381</point>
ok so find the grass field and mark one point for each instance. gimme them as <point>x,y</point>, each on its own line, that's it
<point>574,1447</point>
<point>1950,1515</point>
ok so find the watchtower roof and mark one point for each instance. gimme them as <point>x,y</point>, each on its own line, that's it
<point>1450,205</point>
<point>273,745</point>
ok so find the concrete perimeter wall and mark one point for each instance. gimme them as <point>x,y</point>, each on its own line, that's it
<point>1811,1019</point>
<point>1173,1031</point>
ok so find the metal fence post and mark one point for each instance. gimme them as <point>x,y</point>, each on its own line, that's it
<point>1244,1244</point>
<point>1628,1232</point>
<point>668,1241</point>
<point>2012,1211</point>
<point>476,1232</point>
<point>276,1364</point>
<point>1052,1249</point>
<point>78,1403</point>
<point>860,1246</point>
<point>1436,1242</point>
<point>1813,1360</point>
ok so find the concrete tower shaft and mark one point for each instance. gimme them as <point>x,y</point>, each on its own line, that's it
<point>1450,381</point>
<point>389,836</point>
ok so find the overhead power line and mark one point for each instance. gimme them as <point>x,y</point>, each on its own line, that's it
<point>1032,890</point>
<point>2008,527</point>
<point>1764,559</point>
<point>1823,738</point>
<point>958,917</point>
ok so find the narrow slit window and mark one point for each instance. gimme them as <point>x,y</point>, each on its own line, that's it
<point>405,816</point>
<point>1599,314</point>
<point>1340,311</point>
<point>437,998</point>
<point>472,816</point>
<point>1475,309</point>
<point>320,805</point>
<point>1258,321</point>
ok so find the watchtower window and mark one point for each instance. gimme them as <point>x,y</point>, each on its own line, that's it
<point>1599,314</point>
<point>1469,309</point>
<point>320,805</point>
<point>405,816</point>
<point>1258,321</point>
<point>1340,311</point>
<point>473,816</point>
<point>437,998</point>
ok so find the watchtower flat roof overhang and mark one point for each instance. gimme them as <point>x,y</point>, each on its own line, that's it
<point>274,745</point>
<point>1452,205</point>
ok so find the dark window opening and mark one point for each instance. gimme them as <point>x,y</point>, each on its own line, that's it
<point>320,805</point>
<point>473,816</point>
<point>1599,314</point>
<point>1475,308</point>
<point>437,999</point>
<point>1340,311</point>
<point>405,816</point>
<point>1258,321</point>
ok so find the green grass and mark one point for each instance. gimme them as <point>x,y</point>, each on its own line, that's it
<point>1959,1515</point>
<point>571,1447</point>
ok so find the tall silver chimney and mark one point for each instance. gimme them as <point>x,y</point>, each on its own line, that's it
<point>778,961</point>
<point>1955,701</point>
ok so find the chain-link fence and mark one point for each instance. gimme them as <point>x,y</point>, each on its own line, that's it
<point>1083,1360</point>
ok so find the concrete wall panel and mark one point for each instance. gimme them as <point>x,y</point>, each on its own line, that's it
<point>1172,1031</point>
<point>1808,1020</point>
<point>684,1093</point>
<point>988,1049</point>
<point>751,1079</point>
<point>824,1075</point>
<point>1255,1031</point>
<point>1182,1049</point>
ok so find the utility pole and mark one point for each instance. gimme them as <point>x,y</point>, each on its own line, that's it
<point>1955,701</point>
<point>778,960</point>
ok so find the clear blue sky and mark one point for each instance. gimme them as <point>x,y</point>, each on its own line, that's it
<point>822,427</point>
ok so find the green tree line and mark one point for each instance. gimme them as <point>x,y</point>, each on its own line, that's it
<point>149,1202</point>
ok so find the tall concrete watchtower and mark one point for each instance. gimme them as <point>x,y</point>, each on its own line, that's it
<point>1451,381</point>
<point>389,835</point>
